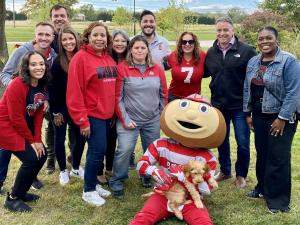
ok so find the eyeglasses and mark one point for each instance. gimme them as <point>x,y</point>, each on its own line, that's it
<point>190,42</point>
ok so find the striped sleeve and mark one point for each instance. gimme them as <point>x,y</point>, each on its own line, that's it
<point>146,164</point>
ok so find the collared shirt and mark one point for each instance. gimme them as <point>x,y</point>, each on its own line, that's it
<point>159,48</point>
<point>224,50</point>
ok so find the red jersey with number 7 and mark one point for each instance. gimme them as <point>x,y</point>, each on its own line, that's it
<point>186,77</point>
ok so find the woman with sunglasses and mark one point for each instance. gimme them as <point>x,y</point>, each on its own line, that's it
<point>187,67</point>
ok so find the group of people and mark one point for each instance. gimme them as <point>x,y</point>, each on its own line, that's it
<point>108,90</point>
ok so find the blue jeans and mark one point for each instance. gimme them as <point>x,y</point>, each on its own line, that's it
<point>4,162</point>
<point>242,137</point>
<point>96,151</point>
<point>60,138</point>
<point>127,138</point>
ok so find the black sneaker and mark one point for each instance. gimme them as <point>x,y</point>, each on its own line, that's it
<point>275,211</point>
<point>37,185</point>
<point>254,194</point>
<point>50,168</point>
<point>30,197</point>
<point>118,194</point>
<point>146,182</point>
<point>16,205</point>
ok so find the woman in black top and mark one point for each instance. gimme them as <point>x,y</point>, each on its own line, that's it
<point>68,46</point>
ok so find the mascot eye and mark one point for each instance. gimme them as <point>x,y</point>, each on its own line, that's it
<point>184,104</point>
<point>203,108</point>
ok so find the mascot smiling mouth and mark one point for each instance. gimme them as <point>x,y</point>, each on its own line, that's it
<point>188,125</point>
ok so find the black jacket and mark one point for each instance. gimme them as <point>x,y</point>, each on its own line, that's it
<point>228,74</point>
<point>57,87</point>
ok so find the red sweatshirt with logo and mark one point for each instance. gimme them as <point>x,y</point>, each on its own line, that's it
<point>91,86</point>
<point>14,130</point>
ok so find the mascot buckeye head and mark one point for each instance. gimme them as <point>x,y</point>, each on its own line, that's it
<point>193,122</point>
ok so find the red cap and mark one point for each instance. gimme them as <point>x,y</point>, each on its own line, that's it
<point>198,98</point>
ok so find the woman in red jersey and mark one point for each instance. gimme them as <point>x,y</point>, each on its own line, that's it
<point>187,67</point>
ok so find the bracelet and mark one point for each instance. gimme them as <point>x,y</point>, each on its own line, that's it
<point>56,114</point>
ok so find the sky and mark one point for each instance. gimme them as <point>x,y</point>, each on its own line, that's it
<point>194,5</point>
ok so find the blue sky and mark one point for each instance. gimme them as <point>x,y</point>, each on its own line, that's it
<point>195,5</point>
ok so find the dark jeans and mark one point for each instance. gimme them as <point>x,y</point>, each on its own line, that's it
<point>49,138</point>
<point>110,151</point>
<point>28,171</point>
<point>242,137</point>
<point>96,151</point>
<point>4,162</point>
<point>273,163</point>
<point>59,142</point>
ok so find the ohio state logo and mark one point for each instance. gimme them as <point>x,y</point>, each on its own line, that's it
<point>38,101</point>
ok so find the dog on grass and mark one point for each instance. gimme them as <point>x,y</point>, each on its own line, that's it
<point>195,173</point>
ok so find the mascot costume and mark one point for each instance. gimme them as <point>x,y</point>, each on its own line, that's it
<point>193,127</point>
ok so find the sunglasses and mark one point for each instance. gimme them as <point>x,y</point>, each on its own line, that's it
<point>190,42</point>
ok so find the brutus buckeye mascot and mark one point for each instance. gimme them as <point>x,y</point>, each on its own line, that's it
<point>193,127</point>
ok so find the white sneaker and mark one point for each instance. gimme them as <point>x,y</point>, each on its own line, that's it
<point>77,173</point>
<point>64,177</point>
<point>92,197</point>
<point>101,191</point>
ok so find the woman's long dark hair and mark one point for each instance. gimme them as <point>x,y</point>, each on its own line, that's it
<point>196,52</point>
<point>23,69</point>
<point>62,56</point>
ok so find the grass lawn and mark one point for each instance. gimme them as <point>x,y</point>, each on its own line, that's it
<point>24,30</point>
<point>227,206</point>
<point>63,205</point>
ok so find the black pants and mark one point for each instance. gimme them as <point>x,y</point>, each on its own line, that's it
<point>110,151</point>
<point>49,138</point>
<point>273,163</point>
<point>28,171</point>
<point>78,142</point>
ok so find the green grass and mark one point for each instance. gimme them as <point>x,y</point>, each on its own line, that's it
<point>24,30</point>
<point>227,206</point>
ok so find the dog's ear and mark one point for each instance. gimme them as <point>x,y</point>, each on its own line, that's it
<point>206,168</point>
<point>186,169</point>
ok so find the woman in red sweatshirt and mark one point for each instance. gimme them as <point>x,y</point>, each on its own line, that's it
<point>90,100</point>
<point>21,118</point>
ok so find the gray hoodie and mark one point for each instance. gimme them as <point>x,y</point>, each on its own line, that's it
<point>13,61</point>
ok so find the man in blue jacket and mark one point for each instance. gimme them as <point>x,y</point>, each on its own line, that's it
<point>226,63</point>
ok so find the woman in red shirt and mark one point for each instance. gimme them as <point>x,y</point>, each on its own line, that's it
<point>21,118</point>
<point>187,67</point>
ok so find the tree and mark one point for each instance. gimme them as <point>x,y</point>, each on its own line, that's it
<point>122,16</point>
<point>288,8</point>
<point>104,15</point>
<point>171,18</point>
<point>3,44</point>
<point>236,14</point>
<point>39,9</point>
<point>289,40</point>
<point>89,11</point>
<point>18,16</point>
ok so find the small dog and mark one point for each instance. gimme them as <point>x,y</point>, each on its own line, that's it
<point>194,171</point>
